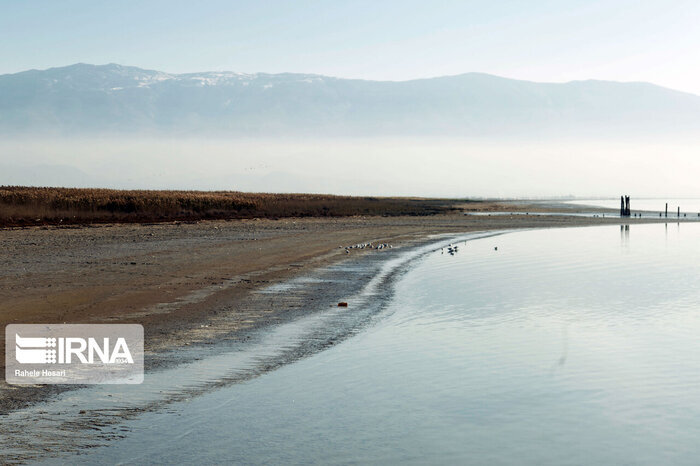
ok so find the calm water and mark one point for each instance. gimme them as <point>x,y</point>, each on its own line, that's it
<point>688,206</point>
<point>570,346</point>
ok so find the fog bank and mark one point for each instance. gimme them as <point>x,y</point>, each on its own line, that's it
<point>447,167</point>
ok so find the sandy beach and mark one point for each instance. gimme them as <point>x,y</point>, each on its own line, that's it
<point>189,283</point>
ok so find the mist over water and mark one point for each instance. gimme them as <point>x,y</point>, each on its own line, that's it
<point>450,167</point>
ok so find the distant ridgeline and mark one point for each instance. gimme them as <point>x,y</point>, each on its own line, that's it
<point>118,99</point>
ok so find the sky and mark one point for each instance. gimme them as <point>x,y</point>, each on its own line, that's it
<point>549,41</point>
<point>553,41</point>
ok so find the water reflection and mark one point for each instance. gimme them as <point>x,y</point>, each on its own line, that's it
<point>624,236</point>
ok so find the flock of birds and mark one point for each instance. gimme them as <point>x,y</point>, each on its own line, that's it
<point>366,246</point>
<point>451,249</point>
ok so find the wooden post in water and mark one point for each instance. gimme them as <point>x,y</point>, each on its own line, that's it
<point>667,209</point>
<point>624,206</point>
<point>679,211</point>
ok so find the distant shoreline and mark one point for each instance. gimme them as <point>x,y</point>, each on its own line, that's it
<point>34,206</point>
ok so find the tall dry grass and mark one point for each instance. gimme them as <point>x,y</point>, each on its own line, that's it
<point>31,206</point>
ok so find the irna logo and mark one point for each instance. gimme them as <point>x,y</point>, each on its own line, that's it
<point>33,350</point>
<point>78,354</point>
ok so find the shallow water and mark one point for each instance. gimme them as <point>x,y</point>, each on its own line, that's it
<point>568,346</point>
<point>553,214</point>
<point>687,206</point>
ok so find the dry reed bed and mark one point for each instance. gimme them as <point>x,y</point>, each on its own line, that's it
<point>21,206</point>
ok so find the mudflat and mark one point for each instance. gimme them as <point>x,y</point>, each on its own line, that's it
<point>177,278</point>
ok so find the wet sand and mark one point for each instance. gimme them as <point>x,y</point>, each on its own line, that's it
<point>191,283</point>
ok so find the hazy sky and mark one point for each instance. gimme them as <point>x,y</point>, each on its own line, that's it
<point>640,40</point>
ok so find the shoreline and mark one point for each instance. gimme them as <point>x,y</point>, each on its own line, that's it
<point>232,307</point>
<point>201,369</point>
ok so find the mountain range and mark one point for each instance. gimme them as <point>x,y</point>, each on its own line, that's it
<point>99,99</point>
